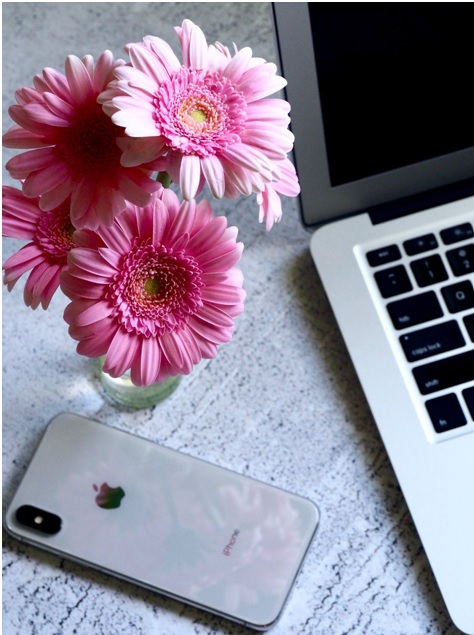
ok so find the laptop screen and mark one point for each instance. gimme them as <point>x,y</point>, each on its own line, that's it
<point>381,107</point>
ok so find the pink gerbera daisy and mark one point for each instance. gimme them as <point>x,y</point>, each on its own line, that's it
<point>51,238</point>
<point>160,294</point>
<point>75,147</point>
<point>211,118</point>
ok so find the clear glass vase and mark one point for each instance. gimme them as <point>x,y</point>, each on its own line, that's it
<point>122,391</point>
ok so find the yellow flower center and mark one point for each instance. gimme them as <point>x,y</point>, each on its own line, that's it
<point>152,286</point>
<point>198,115</point>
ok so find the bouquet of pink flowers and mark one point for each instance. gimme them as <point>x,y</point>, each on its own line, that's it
<point>152,278</point>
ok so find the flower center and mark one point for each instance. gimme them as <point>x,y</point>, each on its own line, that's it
<point>54,233</point>
<point>157,291</point>
<point>88,145</point>
<point>152,286</point>
<point>198,115</point>
<point>199,112</point>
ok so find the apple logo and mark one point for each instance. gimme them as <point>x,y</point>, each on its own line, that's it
<point>108,497</point>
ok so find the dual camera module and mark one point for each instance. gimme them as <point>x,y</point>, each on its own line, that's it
<point>38,519</point>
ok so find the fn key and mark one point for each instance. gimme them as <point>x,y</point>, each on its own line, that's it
<point>445,413</point>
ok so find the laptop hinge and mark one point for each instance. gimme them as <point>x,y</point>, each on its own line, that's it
<point>418,202</point>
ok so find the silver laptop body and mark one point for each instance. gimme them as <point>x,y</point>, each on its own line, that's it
<point>384,149</point>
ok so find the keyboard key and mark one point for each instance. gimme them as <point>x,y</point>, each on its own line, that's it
<point>461,260</point>
<point>429,270</point>
<point>393,281</point>
<point>384,255</point>
<point>419,245</point>
<point>459,297</point>
<point>469,323</point>
<point>432,340</point>
<point>445,413</point>
<point>414,310</point>
<point>457,233</point>
<point>468,395</point>
<point>445,373</point>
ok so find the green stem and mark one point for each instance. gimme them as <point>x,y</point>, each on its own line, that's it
<point>164,179</point>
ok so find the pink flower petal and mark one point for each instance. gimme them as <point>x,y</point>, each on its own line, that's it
<point>270,111</point>
<point>29,95</point>
<point>213,171</point>
<point>97,345</point>
<point>81,200</point>
<point>146,61</point>
<point>56,196</point>
<point>79,80</point>
<point>38,114</point>
<point>93,313</point>
<point>140,151</point>
<point>172,350</point>
<point>121,353</point>
<point>190,176</point>
<point>164,53</point>
<point>41,277</point>
<point>183,223</point>
<point>20,262</point>
<point>208,332</point>
<point>221,259</point>
<point>31,161</point>
<point>115,237</point>
<point>20,214</point>
<point>111,257</point>
<point>274,142</point>
<point>238,65</point>
<point>50,288</point>
<point>194,45</point>
<point>19,138</point>
<point>58,106</point>
<point>223,295</point>
<point>248,157</point>
<point>55,82</point>
<point>108,204</point>
<point>288,184</point>
<point>45,180</point>
<point>103,72</point>
<point>130,82</point>
<point>270,208</point>
<point>260,82</point>
<point>89,261</point>
<point>217,318</point>
<point>75,287</point>
<point>191,348</point>
<point>133,192</point>
<point>150,361</point>
<point>204,240</point>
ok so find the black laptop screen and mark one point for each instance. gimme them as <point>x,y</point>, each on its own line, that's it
<point>389,101</point>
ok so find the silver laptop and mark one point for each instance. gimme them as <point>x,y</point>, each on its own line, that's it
<point>384,124</point>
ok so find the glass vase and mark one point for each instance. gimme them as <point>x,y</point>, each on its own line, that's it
<point>123,392</point>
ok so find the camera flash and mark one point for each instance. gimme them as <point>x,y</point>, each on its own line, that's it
<point>38,520</point>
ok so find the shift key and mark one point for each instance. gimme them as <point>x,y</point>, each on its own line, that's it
<point>414,310</point>
<point>445,373</point>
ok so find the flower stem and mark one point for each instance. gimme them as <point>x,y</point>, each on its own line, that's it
<point>164,179</point>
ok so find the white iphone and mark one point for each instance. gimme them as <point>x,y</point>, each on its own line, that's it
<point>156,517</point>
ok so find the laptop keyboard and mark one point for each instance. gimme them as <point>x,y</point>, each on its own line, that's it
<point>426,285</point>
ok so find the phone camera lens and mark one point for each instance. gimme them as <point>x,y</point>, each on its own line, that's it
<point>39,519</point>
